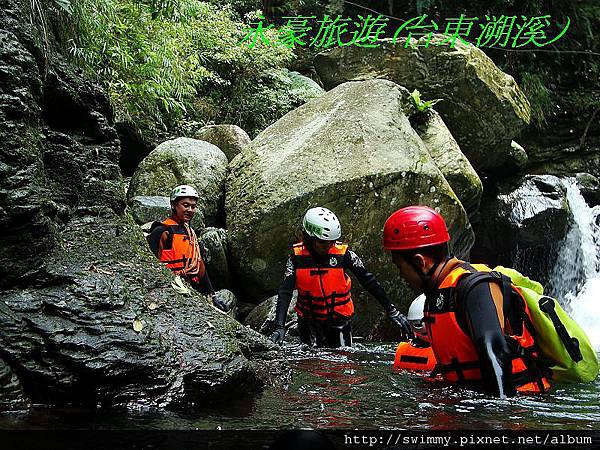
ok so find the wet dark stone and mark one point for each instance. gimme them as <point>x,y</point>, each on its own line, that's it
<point>87,314</point>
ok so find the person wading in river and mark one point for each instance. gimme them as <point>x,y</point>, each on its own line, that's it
<point>478,324</point>
<point>318,268</point>
<point>174,242</point>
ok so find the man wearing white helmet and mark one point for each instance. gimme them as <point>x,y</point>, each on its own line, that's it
<point>174,242</point>
<point>318,268</point>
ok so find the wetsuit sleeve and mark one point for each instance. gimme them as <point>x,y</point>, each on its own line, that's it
<point>284,296</point>
<point>154,238</point>
<point>483,325</point>
<point>355,265</point>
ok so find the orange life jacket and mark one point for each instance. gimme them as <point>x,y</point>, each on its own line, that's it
<point>324,289</point>
<point>454,349</point>
<point>410,357</point>
<point>182,253</point>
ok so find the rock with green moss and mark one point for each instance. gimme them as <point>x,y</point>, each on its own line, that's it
<point>214,240</point>
<point>87,314</point>
<point>482,106</point>
<point>353,151</point>
<point>183,161</point>
<point>231,139</point>
<point>450,160</point>
<point>304,87</point>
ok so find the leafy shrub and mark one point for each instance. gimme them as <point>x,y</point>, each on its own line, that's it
<point>170,63</point>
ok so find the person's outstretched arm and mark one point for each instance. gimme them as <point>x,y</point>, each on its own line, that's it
<point>354,264</point>
<point>284,298</point>
<point>488,337</point>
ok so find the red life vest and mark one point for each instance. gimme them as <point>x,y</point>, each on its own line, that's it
<point>454,349</point>
<point>409,357</point>
<point>324,289</point>
<point>182,256</point>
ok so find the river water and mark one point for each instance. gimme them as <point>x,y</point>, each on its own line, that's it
<point>358,387</point>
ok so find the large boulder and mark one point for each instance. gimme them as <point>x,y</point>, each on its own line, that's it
<point>87,314</point>
<point>183,161</point>
<point>482,106</point>
<point>450,160</point>
<point>522,224</point>
<point>146,209</point>
<point>352,150</point>
<point>231,139</point>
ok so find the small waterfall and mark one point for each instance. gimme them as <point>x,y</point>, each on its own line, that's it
<point>576,276</point>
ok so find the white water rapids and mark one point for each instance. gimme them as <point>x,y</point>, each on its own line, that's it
<point>576,276</point>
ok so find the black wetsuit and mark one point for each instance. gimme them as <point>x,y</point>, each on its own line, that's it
<point>331,333</point>
<point>204,285</point>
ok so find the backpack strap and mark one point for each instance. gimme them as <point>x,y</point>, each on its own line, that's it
<point>571,344</point>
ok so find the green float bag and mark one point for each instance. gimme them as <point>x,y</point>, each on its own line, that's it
<point>558,337</point>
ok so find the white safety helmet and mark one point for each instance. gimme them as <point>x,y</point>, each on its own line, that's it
<point>183,190</point>
<point>321,223</point>
<point>415,317</point>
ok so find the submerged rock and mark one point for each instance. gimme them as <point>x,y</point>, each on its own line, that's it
<point>184,161</point>
<point>352,150</point>
<point>482,106</point>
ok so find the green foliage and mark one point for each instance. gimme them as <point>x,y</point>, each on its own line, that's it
<point>419,104</point>
<point>540,97</point>
<point>169,63</point>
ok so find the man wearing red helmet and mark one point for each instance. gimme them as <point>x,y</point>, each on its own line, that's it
<point>477,322</point>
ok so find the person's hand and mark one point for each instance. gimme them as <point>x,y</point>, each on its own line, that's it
<point>278,335</point>
<point>402,323</point>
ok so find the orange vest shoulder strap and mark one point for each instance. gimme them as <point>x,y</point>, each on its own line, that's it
<point>338,249</point>
<point>299,249</point>
<point>169,222</point>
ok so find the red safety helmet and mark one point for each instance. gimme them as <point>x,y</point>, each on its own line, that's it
<point>414,227</point>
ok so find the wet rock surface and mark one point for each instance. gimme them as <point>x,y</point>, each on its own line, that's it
<point>521,224</point>
<point>87,314</point>
<point>262,317</point>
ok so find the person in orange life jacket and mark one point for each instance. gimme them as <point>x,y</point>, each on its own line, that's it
<point>174,242</point>
<point>318,268</point>
<point>416,353</point>
<point>478,331</point>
